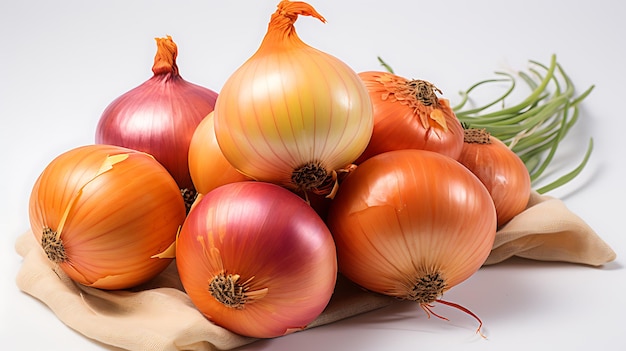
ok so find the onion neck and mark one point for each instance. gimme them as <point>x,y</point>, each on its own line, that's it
<point>424,92</point>
<point>165,58</point>
<point>281,28</point>
<point>419,95</point>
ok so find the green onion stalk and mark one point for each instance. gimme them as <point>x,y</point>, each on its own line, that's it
<point>534,127</point>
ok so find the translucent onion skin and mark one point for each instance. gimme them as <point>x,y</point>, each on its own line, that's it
<point>500,169</point>
<point>409,115</point>
<point>112,208</point>
<point>208,167</point>
<point>412,224</point>
<point>291,114</point>
<point>160,115</point>
<point>272,247</point>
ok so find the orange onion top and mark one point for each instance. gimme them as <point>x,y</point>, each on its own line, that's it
<point>160,115</point>
<point>500,169</point>
<point>256,259</point>
<point>102,212</point>
<point>411,224</point>
<point>408,114</point>
<point>291,114</point>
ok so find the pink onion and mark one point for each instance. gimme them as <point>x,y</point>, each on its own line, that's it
<point>159,116</point>
<point>256,259</point>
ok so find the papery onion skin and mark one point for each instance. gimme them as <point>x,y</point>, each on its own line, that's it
<point>408,216</point>
<point>160,115</point>
<point>279,247</point>
<point>501,171</point>
<point>291,107</point>
<point>115,221</point>
<point>208,167</point>
<point>409,115</point>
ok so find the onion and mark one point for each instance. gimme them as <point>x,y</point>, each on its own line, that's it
<point>208,167</point>
<point>101,213</point>
<point>534,126</point>
<point>409,115</point>
<point>256,259</point>
<point>160,115</point>
<point>412,224</point>
<point>291,114</point>
<point>502,172</point>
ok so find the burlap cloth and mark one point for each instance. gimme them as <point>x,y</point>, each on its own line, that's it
<point>160,316</point>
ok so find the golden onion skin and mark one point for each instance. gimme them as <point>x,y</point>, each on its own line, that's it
<point>109,210</point>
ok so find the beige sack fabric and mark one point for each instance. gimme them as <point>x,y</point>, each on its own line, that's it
<point>160,316</point>
<point>157,316</point>
<point>548,231</point>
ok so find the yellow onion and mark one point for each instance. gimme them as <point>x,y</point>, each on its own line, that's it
<point>207,165</point>
<point>160,115</point>
<point>291,114</point>
<point>501,170</point>
<point>102,213</point>
<point>256,259</point>
<point>408,114</point>
<point>412,224</point>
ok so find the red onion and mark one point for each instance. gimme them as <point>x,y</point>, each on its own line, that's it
<point>256,259</point>
<point>159,116</point>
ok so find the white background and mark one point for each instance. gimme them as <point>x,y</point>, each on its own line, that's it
<point>62,62</point>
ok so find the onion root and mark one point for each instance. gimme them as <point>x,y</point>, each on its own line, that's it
<point>226,289</point>
<point>53,246</point>
<point>428,309</point>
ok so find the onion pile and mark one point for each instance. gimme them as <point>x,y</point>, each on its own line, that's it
<point>304,169</point>
<point>408,223</point>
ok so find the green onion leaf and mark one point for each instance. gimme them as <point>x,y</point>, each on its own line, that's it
<point>534,127</point>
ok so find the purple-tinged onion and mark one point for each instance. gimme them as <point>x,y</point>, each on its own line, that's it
<point>159,116</point>
<point>256,259</point>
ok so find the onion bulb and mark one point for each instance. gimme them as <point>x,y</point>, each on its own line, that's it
<point>103,213</point>
<point>207,165</point>
<point>408,114</point>
<point>500,169</point>
<point>256,259</point>
<point>412,224</point>
<point>291,114</point>
<point>160,115</point>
